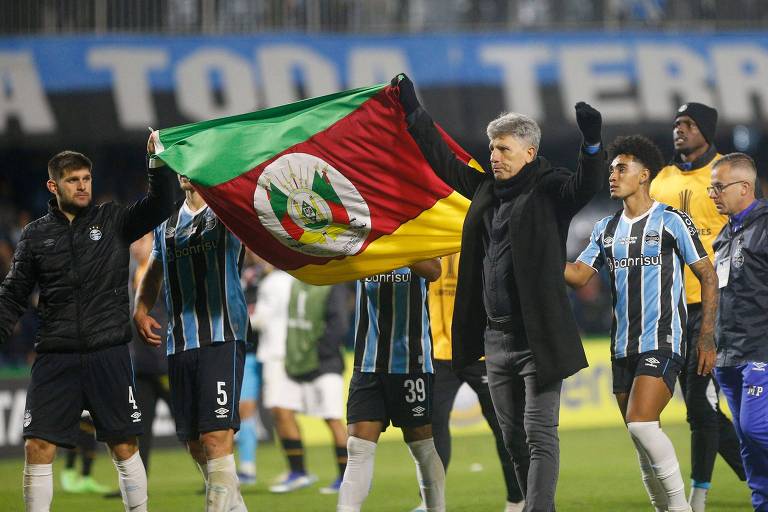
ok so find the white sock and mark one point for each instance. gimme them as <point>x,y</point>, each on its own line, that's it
<point>358,476</point>
<point>661,454</point>
<point>652,484</point>
<point>38,487</point>
<point>132,479</point>
<point>698,498</point>
<point>223,489</point>
<point>430,473</point>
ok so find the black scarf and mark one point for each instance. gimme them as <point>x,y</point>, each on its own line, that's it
<point>511,187</point>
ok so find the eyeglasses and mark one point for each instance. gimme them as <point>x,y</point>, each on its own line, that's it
<point>717,189</point>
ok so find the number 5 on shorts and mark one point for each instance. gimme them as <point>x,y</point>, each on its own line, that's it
<point>415,390</point>
<point>221,394</point>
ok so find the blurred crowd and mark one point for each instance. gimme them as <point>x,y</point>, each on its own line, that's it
<point>251,16</point>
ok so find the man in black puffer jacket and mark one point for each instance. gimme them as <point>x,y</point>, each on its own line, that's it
<point>78,256</point>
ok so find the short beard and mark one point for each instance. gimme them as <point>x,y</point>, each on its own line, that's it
<point>70,207</point>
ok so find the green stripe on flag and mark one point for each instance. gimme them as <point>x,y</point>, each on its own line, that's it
<point>213,152</point>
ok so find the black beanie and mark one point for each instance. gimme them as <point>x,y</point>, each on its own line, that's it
<point>705,118</point>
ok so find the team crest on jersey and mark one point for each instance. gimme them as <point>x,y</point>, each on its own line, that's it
<point>210,221</point>
<point>311,207</point>
<point>94,233</point>
<point>652,239</point>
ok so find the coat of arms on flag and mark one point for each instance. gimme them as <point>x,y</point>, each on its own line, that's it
<point>311,207</point>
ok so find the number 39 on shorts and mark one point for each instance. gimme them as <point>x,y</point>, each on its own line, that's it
<point>415,390</point>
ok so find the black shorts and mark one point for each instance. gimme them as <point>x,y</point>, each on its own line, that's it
<point>405,400</point>
<point>205,388</point>
<point>656,363</point>
<point>63,384</point>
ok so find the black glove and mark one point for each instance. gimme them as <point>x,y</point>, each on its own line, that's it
<point>407,93</point>
<point>590,123</point>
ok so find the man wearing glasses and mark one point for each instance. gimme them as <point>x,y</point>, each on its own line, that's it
<point>683,184</point>
<point>742,355</point>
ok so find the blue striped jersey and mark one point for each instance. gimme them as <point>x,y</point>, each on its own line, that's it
<point>392,332</point>
<point>645,257</point>
<point>201,260</point>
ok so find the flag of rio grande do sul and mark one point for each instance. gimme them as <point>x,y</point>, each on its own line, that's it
<point>330,189</point>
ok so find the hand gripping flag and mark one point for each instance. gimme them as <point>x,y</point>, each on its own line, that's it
<point>330,189</point>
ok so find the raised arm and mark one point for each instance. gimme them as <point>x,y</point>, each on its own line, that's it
<point>16,287</point>
<point>149,211</point>
<point>428,269</point>
<point>579,188</point>
<point>146,296</point>
<point>707,276</point>
<point>455,173</point>
<point>578,274</point>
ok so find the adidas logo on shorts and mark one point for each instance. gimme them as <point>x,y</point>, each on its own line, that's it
<point>418,410</point>
<point>652,362</point>
<point>221,412</point>
<point>136,417</point>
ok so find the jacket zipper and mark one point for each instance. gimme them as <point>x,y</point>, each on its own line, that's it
<point>77,276</point>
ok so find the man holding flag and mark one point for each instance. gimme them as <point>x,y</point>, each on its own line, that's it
<point>510,290</point>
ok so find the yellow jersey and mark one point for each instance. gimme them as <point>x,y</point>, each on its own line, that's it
<point>687,191</point>
<point>442,294</point>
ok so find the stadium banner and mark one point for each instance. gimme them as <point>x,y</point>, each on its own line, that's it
<point>111,86</point>
<point>330,189</point>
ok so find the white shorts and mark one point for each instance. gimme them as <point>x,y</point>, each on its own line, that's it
<point>322,397</point>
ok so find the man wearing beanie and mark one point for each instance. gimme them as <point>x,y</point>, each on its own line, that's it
<point>683,185</point>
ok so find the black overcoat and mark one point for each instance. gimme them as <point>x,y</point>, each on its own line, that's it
<point>538,231</point>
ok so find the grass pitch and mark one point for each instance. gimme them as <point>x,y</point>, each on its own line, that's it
<point>598,472</point>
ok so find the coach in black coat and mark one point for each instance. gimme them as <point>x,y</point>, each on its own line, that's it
<point>512,260</point>
<point>539,229</point>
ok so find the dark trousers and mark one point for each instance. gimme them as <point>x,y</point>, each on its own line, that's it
<point>149,389</point>
<point>509,361</point>
<point>447,383</point>
<point>711,430</point>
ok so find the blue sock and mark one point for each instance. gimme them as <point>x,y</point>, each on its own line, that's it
<point>247,441</point>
